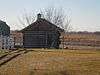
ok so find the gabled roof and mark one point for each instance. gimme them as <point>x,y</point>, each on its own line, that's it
<point>42,25</point>
<point>4,29</point>
<point>2,23</point>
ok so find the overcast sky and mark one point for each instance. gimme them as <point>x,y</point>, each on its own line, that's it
<point>85,14</point>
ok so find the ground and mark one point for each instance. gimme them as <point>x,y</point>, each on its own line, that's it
<point>53,62</point>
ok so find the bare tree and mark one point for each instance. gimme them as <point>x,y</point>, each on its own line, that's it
<point>57,17</point>
<point>26,18</point>
<point>54,15</point>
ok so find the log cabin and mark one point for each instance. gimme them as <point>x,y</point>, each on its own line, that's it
<point>41,34</point>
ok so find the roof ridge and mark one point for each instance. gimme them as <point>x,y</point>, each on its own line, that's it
<point>43,24</point>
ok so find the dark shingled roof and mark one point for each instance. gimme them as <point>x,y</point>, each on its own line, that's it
<point>2,21</point>
<point>4,28</point>
<point>42,25</point>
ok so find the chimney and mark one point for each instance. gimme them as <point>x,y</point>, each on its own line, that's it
<point>38,16</point>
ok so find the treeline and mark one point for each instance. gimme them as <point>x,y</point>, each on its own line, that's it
<point>84,32</point>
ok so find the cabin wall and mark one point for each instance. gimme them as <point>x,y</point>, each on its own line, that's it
<point>40,39</point>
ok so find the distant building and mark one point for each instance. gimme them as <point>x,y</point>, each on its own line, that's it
<point>4,35</point>
<point>41,34</point>
<point>80,39</point>
<point>17,39</point>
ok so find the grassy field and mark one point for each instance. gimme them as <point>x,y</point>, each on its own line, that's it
<point>54,62</point>
<point>3,52</point>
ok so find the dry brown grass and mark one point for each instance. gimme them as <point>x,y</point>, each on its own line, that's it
<point>3,52</point>
<point>54,62</point>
